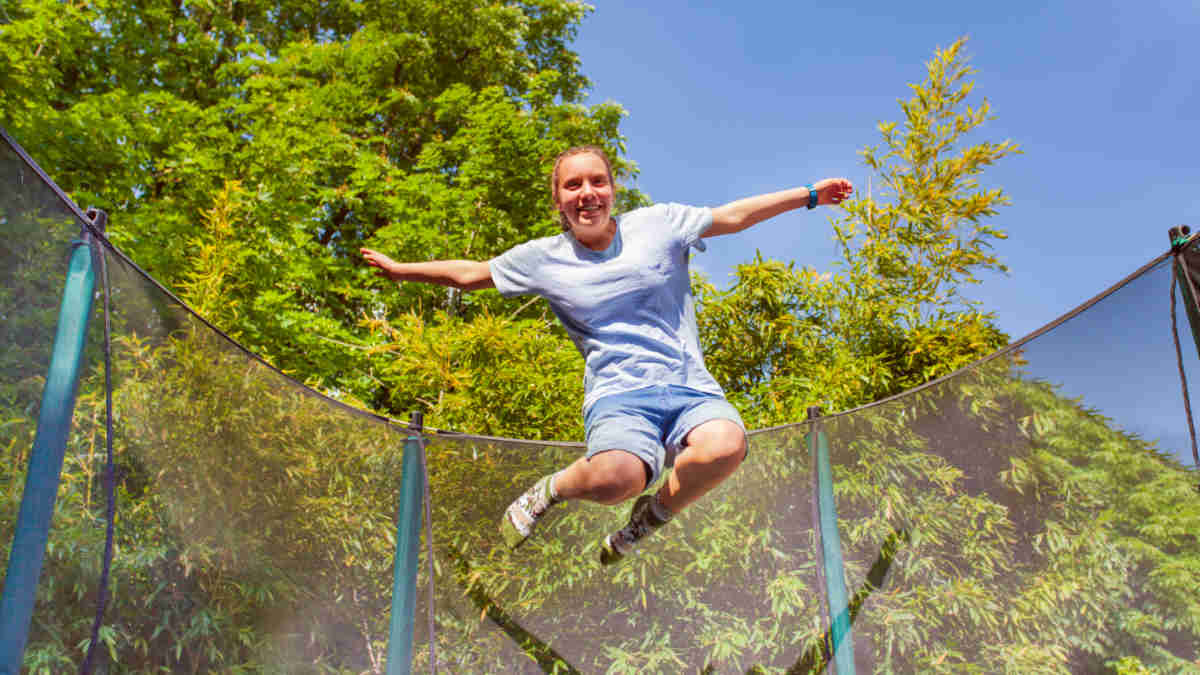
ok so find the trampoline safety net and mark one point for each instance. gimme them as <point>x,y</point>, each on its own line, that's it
<point>1036,512</point>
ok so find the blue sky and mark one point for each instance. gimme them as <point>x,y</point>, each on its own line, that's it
<point>731,99</point>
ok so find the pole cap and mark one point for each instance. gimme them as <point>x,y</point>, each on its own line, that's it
<point>1179,236</point>
<point>98,217</point>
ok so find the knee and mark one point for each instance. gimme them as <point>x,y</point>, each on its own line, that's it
<point>720,442</point>
<point>618,478</point>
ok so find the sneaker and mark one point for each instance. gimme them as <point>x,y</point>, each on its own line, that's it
<point>523,514</point>
<point>642,521</point>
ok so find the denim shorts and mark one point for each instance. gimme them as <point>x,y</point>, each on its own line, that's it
<point>652,422</point>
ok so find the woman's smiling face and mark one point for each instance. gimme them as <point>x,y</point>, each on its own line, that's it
<point>585,197</point>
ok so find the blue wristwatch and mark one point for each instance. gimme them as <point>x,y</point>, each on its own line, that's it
<point>812,196</point>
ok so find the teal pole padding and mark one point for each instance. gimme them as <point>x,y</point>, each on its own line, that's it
<point>45,461</point>
<point>408,541</point>
<point>831,553</point>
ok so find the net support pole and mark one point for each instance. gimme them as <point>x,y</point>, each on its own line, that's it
<point>46,458</point>
<point>838,599</point>
<point>408,541</point>
<point>1186,276</point>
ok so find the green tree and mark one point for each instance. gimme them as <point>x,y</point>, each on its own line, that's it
<point>422,128</point>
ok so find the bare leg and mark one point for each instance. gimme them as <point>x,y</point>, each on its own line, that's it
<point>713,452</point>
<point>608,478</point>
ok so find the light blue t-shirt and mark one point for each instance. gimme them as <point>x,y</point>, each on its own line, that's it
<point>628,308</point>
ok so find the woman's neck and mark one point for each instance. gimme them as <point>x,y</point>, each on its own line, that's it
<point>598,239</point>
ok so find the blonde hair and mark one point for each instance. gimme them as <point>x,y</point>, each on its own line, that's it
<point>577,150</point>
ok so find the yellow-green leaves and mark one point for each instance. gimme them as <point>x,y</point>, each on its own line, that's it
<point>894,314</point>
<point>491,375</point>
<point>923,226</point>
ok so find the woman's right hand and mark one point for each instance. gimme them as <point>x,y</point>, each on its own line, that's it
<point>467,275</point>
<point>384,266</point>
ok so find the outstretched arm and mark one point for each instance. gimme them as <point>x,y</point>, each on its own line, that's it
<point>741,214</point>
<point>468,275</point>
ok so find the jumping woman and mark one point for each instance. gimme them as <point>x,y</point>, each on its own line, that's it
<point>621,288</point>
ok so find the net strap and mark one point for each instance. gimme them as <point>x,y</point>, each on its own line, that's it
<point>109,472</point>
<point>429,556</point>
<point>1187,402</point>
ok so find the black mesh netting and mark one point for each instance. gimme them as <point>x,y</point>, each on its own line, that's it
<point>1031,513</point>
<point>37,231</point>
<point>1007,520</point>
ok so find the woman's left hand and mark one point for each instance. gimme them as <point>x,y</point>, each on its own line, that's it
<point>833,190</point>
